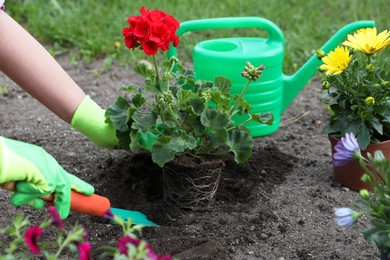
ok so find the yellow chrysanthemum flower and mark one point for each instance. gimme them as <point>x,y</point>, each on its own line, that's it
<point>336,61</point>
<point>367,41</point>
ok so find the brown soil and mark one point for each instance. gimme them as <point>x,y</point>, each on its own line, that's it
<point>278,205</point>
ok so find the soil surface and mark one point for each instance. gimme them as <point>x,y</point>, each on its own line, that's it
<point>278,205</point>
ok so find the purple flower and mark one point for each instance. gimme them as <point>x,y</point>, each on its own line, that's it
<point>31,238</point>
<point>55,217</point>
<point>84,249</point>
<point>346,150</point>
<point>108,214</point>
<point>344,217</point>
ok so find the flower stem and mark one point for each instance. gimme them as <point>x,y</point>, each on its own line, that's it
<point>173,115</point>
<point>240,97</point>
<point>156,68</point>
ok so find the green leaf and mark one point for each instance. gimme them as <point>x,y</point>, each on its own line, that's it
<point>138,100</point>
<point>374,122</point>
<point>215,141</point>
<point>242,104</point>
<point>354,126</point>
<point>184,74</point>
<point>214,120</point>
<point>124,139</point>
<point>133,141</point>
<point>363,137</point>
<point>162,151</point>
<point>119,114</point>
<point>223,85</point>
<point>196,105</point>
<point>128,88</point>
<point>220,99</point>
<point>143,122</point>
<point>192,122</point>
<point>143,70</point>
<point>240,143</point>
<point>371,234</point>
<point>264,118</point>
<point>332,127</point>
<point>182,141</point>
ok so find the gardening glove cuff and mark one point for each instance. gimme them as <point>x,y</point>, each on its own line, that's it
<point>89,119</point>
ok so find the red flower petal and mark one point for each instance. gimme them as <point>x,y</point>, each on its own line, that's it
<point>150,48</point>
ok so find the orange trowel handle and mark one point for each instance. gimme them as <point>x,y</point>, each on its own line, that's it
<point>94,205</point>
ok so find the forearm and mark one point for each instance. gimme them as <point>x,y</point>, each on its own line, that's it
<point>28,64</point>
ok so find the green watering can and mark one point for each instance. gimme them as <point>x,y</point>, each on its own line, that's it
<point>227,57</point>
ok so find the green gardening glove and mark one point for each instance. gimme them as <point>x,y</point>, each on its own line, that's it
<point>89,120</point>
<point>37,174</point>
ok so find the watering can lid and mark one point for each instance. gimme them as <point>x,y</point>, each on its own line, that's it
<point>254,49</point>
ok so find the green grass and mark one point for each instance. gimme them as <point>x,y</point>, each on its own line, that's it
<point>88,29</point>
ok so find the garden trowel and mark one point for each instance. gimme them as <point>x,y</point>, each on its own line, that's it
<point>94,205</point>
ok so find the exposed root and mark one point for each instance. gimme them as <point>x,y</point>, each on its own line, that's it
<point>191,189</point>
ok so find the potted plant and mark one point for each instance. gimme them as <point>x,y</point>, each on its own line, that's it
<point>189,120</point>
<point>357,96</point>
<point>373,204</point>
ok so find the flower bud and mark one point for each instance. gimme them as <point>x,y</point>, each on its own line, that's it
<point>385,84</point>
<point>320,54</point>
<point>365,178</point>
<point>326,85</point>
<point>370,68</point>
<point>364,194</point>
<point>251,72</point>
<point>370,101</point>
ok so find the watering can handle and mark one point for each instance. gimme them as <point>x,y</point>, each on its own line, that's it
<point>274,32</point>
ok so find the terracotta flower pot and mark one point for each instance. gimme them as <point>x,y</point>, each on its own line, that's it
<point>349,174</point>
<point>190,182</point>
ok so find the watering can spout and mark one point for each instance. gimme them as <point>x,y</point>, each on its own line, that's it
<point>293,84</point>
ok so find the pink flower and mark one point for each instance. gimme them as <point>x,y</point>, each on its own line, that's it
<point>31,238</point>
<point>55,217</point>
<point>84,249</point>
<point>122,246</point>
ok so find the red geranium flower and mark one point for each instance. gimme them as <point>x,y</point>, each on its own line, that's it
<point>152,30</point>
<point>31,238</point>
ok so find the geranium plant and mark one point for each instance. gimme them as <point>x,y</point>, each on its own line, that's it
<point>374,204</point>
<point>180,114</point>
<point>358,88</point>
